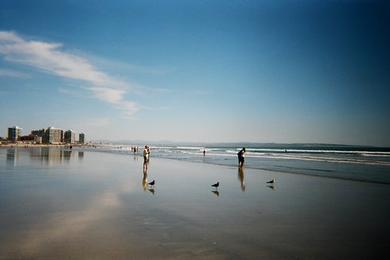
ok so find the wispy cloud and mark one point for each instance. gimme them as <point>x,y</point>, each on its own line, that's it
<point>50,58</point>
<point>13,73</point>
<point>131,68</point>
<point>73,92</point>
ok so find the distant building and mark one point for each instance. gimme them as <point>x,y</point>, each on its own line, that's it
<point>38,135</point>
<point>81,138</point>
<point>52,136</point>
<point>69,137</point>
<point>40,132</point>
<point>14,133</point>
<point>27,138</point>
<point>37,139</point>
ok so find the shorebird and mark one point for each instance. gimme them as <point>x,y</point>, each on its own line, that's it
<point>215,185</point>
<point>271,181</point>
<point>152,183</point>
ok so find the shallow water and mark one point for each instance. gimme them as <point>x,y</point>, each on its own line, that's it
<point>367,164</point>
<point>79,204</point>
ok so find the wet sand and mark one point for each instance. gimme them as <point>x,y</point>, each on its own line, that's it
<point>90,205</point>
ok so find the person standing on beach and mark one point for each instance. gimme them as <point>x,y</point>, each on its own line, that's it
<point>240,155</point>
<point>146,153</point>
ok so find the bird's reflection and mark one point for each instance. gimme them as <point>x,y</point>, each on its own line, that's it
<point>152,190</point>
<point>272,187</point>
<point>215,192</point>
<point>241,177</point>
<point>145,177</point>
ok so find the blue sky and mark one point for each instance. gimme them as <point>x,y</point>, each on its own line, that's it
<point>208,71</point>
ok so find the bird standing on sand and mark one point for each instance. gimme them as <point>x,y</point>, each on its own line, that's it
<point>215,185</point>
<point>152,183</point>
<point>271,181</point>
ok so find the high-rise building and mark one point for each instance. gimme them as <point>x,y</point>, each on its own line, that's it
<point>52,136</point>
<point>14,133</point>
<point>69,137</point>
<point>38,135</point>
<point>40,132</point>
<point>81,138</point>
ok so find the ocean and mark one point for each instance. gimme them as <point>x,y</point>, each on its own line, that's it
<point>359,163</point>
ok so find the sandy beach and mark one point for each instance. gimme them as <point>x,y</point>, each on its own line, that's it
<point>79,204</point>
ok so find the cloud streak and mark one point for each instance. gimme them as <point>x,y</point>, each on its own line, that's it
<point>50,58</point>
<point>13,73</point>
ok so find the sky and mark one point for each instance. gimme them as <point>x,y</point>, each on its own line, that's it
<point>198,71</point>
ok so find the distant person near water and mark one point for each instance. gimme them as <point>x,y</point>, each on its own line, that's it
<point>240,155</point>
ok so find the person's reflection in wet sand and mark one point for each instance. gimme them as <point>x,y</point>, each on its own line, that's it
<point>145,177</point>
<point>215,192</point>
<point>241,177</point>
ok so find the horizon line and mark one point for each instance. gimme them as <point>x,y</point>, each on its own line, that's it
<point>241,143</point>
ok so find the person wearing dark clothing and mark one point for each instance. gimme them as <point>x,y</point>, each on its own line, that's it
<point>240,155</point>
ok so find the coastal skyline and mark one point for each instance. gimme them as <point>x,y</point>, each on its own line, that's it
<point>285,71</point>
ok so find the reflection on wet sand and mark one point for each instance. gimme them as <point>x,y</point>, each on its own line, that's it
<point>215,192</point>
<point>152,190</point>
<point>81,155</point>
<point>48,155</point>
<point>67,224</point>
<point>12,156</point>
<point>102,214</point>
<point>272,187</point>
<point>67,154</point>
<point>145,175</point>
<point>241,177</point>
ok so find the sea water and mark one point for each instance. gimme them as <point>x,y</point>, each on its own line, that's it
<point>359,163</point>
